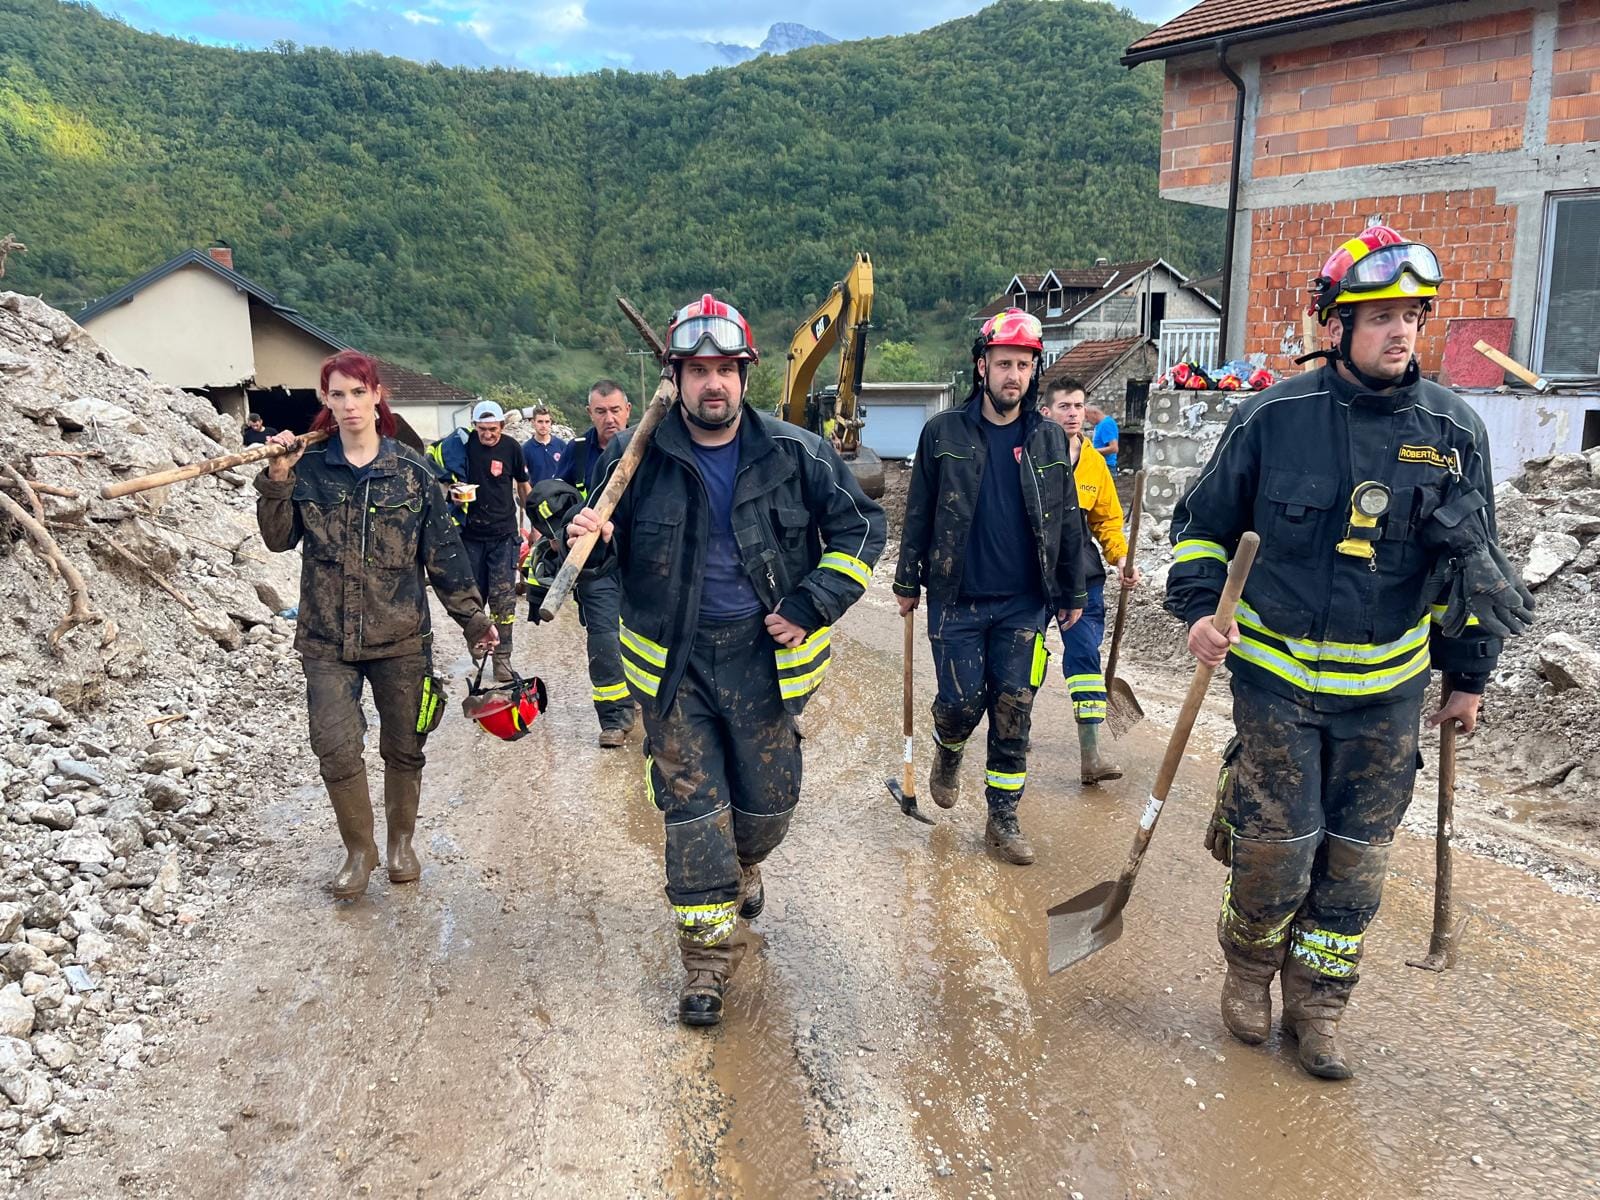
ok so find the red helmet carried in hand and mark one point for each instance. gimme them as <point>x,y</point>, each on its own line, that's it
<point>508,710</point>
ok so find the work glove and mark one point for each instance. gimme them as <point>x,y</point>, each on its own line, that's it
<point>1481,583</point>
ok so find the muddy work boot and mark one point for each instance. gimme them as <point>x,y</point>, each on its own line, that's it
<point>707,972</point>
<point>944,777</point>
<point>1247,995</point>
<point>352,808</point>
<point>502,666</point>
<point>613,739</point>
<point>1312,1006</point>
<point>752,895</point>
<point>402,792</point>
<point>1091,767</point>
<point>1003,835</point>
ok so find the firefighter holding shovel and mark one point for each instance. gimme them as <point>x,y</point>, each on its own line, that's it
<point>374,528</point>
<point>1371,491</point>
<point>738,543</point>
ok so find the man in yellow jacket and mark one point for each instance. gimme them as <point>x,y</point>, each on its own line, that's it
<point>1102,512</point>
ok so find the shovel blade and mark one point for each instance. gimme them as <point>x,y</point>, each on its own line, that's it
<point>1087,923</point>
<point>1122,709</point>
<point>908,804</point>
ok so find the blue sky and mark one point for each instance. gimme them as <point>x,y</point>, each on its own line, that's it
<point>556,36</point>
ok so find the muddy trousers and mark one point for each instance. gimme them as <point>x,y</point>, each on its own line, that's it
<point>1306,812</point>
<point>723,766</point>
<point>989,658</point>
<point>1080,659</point>
<point>494,566</point>
<point>600,611</point>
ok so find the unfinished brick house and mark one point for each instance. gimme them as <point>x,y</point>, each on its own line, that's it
<point>1472,126</point>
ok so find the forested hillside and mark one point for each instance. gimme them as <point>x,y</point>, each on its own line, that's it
<point>473,221</point>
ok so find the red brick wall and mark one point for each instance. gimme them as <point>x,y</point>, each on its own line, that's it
<point>1390,97</point>
<point>1471,234</point>
<point>1575,87</point>
<point>1197,129</point>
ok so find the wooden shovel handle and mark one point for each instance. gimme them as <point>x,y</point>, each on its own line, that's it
<point>1238,571</point>
<point>1122,591</point>
<point>567,577</point>
<point>210,466</point>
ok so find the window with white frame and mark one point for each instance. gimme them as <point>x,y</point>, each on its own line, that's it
<point>1053,303</point>
<point>1567,330</point>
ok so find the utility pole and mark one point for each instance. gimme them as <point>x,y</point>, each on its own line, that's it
<point>641,355</point>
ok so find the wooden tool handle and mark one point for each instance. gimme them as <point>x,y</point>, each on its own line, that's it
<point>567,577</point>
<point>210,466</point>
<point>1122,592</point>
<point>1511,366</point>
<point>1238,571</point>
<point>906,660</point>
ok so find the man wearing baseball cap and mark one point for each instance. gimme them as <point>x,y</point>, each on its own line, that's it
<point>488,480</point>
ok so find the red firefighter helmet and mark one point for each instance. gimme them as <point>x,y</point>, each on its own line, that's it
<point>508,710</point>
<point>710,328</point>
<point>1011,327</point>
<point>1377,264</point>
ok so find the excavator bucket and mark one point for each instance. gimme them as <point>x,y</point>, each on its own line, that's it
<point>867,467</point>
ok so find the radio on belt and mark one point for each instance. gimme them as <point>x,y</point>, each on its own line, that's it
<point>1368,502</point>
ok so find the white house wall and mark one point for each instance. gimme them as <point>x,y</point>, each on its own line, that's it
<point>189,329</point>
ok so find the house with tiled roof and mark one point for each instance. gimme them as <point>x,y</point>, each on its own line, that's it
<point>1104,302</point>
<point>196,323</point>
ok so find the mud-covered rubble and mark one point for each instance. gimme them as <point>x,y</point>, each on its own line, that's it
<point>131,750</point>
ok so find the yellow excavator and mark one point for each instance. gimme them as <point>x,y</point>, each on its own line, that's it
<point>835,412</point>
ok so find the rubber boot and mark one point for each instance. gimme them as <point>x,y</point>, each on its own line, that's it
<point>352,808</point>
<point>402,791</point>
<point>1247,992</point>
<point>1003,835</point>
<point>1312,1005</point>
<point>752,893</point>
<point>944,777</point>
<point>613,739</point>
<point>1091,767</point>
<point>707,970</point>
<point>502,665</point>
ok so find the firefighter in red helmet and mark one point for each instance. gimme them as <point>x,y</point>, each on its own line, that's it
<point>1371,492</point>
<point>739,543</point>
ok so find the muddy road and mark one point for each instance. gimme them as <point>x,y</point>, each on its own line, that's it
<point>506,1027</point>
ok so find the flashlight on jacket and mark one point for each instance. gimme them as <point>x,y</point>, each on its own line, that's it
<point>1368,502</point>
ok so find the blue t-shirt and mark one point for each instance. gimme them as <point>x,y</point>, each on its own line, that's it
<point>1105,433</point>
<point>726,592</point>
<point>544,462</point>
<point>1002,559</point>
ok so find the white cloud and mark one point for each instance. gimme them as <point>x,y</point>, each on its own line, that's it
<point>417,18</point>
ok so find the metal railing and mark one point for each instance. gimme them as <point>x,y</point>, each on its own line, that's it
<point>1192,340</point>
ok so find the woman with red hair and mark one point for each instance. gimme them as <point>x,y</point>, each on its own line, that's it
<point>374,529</point>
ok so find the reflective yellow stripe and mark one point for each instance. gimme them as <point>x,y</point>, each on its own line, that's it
<point>845,564</point>
<point>640,679</point>
<point>1330,965</point>
<point>611,691</point>
<point>1089,710</point>
<point>1005,781</point>
<point>1237,925</point>
<point>1041,661</point>
<point>651,652</point>
<point>1436,615</point>
<point>800,685</point>
<point>1086,683</point>
<point>807,650</point>
<point>1346,945</point>
<point>1192,548</point>
<point>706,924</point>
<point>650,780</point>
<point>1332,683</point>
<point>1348,652</point>
<point>953,747</point>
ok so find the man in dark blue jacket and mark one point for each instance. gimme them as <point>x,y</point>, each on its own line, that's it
<point>739,543</point>
<point>992,530</point>
<point>600,594</point>
<point>543,452</point>
<point>1371,491</point>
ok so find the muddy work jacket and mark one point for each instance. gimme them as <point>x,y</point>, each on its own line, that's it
<point>951,458</point>
<point>807,538</point>
<point>1332,630</point>
<point>370,546</point>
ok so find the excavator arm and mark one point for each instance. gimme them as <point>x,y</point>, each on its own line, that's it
<point>840,320</point>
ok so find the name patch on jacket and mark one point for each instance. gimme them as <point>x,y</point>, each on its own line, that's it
<point>1424,454</point>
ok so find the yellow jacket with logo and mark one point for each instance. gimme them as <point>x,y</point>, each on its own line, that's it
<point>1102,510</point>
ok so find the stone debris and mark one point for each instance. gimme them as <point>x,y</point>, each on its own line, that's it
<point>110,816</point>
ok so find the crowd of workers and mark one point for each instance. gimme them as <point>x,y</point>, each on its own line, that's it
<point>741,540</point>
